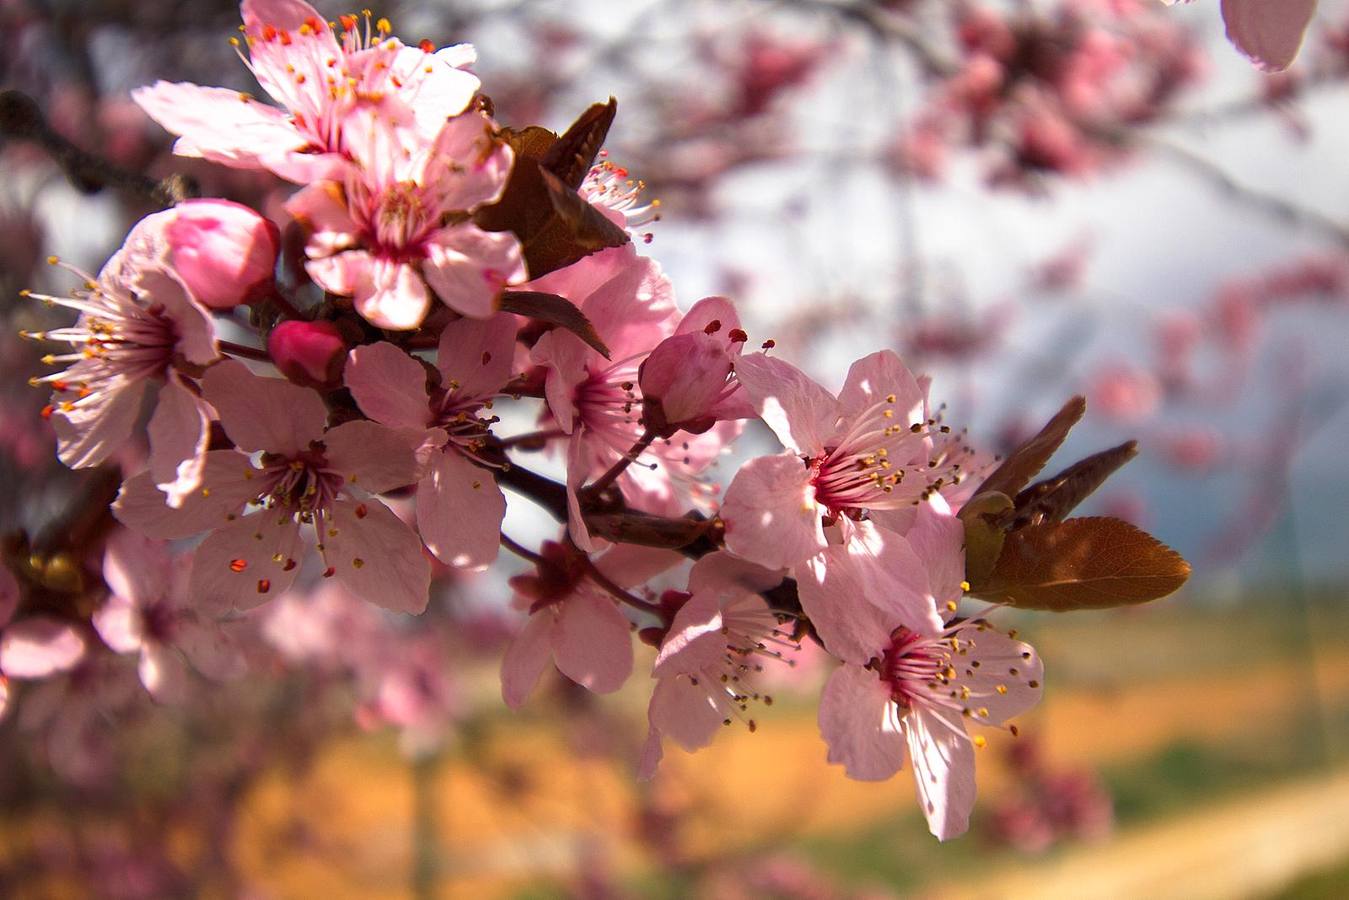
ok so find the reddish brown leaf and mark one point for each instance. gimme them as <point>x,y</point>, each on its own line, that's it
<point>540,204</point>
<point>571,155</point>
<point>1054,498</point>
<point>1088,563</point>
<point>1026,461</point>
<point>553,310</point>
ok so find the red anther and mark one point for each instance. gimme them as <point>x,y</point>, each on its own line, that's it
<point>264,585</point>
<point>268,33</point>
<point>712,327</point>
<point>648,238</point>
<point>60,386</point>
<point>329,572</point>
<point>238,565</point>
<point>314,23</point>
<point>290,564</point>
<point>361,511</point>
<point>47,411</point>
<point>769,344</point>
<point>621,172</point>
<point>348,22</point>
<point>426,46</point>
<point>738,336</point>
<point>285,38</point>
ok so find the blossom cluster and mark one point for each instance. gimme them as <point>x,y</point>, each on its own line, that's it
<point>328,427</point>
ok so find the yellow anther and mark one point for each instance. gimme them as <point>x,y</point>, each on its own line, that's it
<point>1002,689</point>
<point>52,260</point>
<point>980,741</point>
<point>965,586</point>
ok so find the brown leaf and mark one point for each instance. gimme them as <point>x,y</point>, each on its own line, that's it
<point>983,535</point>
<point>1054,498</point>
<point>571,155</point>
<point>1088,563</point>
<point>540,204</point>
<point>1025,462</point>
<point>553,310</point>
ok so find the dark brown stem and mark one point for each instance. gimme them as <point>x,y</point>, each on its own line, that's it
<point>543,491</point>
<point>520,551</point>
<point>240,350</point>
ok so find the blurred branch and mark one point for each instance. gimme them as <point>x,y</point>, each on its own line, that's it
<point>1269,204</point>
<point>21,118</point>
<point>887,25</point>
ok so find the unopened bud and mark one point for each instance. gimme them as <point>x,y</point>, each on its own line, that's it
<point>308,353</point>
<point>224,252</point>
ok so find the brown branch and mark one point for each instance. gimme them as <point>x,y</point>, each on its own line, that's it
<point>22,118</point>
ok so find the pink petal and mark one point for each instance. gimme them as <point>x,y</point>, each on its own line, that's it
<point>219,124</point>
<point>38,646</point>
<point>578,472</point>
<point>248,562</point>
<point>477,354</point>
<point>268,414</point>
<point>118,622</point>
<point>136,568</point>
<point>394,297</point>
<point>210,650</point>
<point>344,273</point>
<point>194,325</point>
<point>389,385</point>
<point>1004,663</point>
<point>833,595</point>
<point>707,311</point>
<point>938,538</point>
<point>685,711</point>
<point>164,674</point>
<point>892,576</point>
<point>323,207</point>
<point>180,432</point>
<point>1268,31</point>
<point>628,565</point>
<point>377,557</point>
<point>526,658</point>
<point>770,512</point>
<point>467,267</point>
<point>98,425</point>
<point>801,413</point>
<point>695,640</point>
<point>459,512</point>
<point>226,486</point>
<point>371,456</point>
<point>872,379</point>
<point>649,760</point>
<point>722,573</point>
<point>592,642</point>
<point>563,356</point>
<point>859,722</point>
<point>469,138</point>
<point>943,769</point>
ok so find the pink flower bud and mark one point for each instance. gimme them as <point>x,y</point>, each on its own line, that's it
<point>224,252</point>
<point>308,353</point>
<point>682,381</point>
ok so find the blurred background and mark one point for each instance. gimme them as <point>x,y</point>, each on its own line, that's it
<point>1027,200</point>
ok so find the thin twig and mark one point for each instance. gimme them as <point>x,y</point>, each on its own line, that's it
<point>520,551</point>
<point>594,574</point>
<point>618,468</point>
<point>234,349</point>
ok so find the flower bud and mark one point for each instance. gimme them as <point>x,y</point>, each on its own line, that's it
<point>224,252</point>
<point>682,381</point>
<point>308,353</point>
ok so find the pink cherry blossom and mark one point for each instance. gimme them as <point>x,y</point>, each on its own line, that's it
<point>573,622</point>
<point>136,320</point>
<point>307,475</point>
<point>459,506</point>
<point>320,82</point>
<point>149,613</point>
<point>396,230</point>
<point>919,692</point>
<point>706,671</point>
<point>867,449</point>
